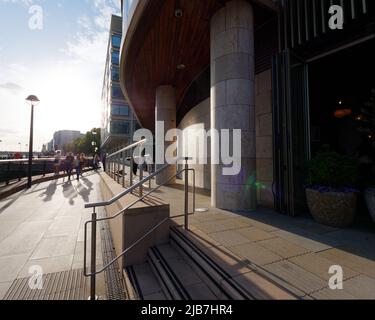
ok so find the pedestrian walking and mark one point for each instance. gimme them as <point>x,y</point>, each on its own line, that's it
<point>57,162</point>
<point>77,165</point>
<point>69,164</point>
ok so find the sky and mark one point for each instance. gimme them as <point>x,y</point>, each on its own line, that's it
<point>56,50</point>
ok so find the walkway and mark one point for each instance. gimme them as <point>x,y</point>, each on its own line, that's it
<point>43,227</point>
<point>296,253</point>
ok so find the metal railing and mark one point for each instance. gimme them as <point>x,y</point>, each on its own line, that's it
<point>117,162</point>
<point>16,169</point>
<point>94,219</point>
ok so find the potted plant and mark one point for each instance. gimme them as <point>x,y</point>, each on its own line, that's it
<point>331,193</point>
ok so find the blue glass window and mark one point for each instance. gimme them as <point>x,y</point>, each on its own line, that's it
<point>120,127</point>
<point>117,93</point>
<point>115,57</point>
<point>119,110</point>
<point>116,41</point>
<point>115,75</point>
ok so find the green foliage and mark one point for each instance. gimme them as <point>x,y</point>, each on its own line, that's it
<point>333,170</point>
<point>84,145</point>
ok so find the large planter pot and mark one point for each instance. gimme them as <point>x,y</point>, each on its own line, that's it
<point>336,209</point>
<point>370,200</point>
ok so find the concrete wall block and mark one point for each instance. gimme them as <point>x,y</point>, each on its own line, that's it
<point>218,94</point>
<point>235,196</point>
<point>240,91</point>
<point>264,169</point>
<point>264,147</point>
<point>247,176</point>
<point>265,125</point>
<point>236,117</point>
<point>232,66</point>
<point>263,103</point>
<point>266,198</point>
<point>232,41</point>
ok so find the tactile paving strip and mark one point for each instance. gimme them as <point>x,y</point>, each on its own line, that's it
<point>66,285</point>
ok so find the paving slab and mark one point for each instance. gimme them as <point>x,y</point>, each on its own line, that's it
<point>362,287</point>
<point>261,288</point>
<point>329,294</point>
<point>254,234</point>
<point>233,264</point>
<point>296,278</point>
<point>229,238</point>
<point>283,247</point>
<point>344,258</point>
<point>10,266</point>
<point>311,243</point>
<point>320,266</point>
<point>255,253</point>
<point>4,287</point>
<point>221,225</point>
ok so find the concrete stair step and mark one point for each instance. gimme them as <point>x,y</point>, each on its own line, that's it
<point>177,278</point>
<point>142,284</point>
<point>226,275</point>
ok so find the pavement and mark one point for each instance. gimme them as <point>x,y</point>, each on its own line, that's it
<point>44,227</point>
<point>294,252</point>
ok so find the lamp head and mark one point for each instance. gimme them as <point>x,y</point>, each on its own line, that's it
<point>33,100</point>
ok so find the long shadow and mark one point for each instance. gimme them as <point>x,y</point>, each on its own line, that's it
<point>69,192</point>
<point>50,191</point>
<point>84,192</point>
<point>345,239</point>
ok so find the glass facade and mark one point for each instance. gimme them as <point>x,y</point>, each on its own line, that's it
<point>117,118</point>
<point>115,75</point>
<point>119,110</point>
<point>115,58</point>
<point>116,41</point>
<point>117,93</point>
<point>120,127</point>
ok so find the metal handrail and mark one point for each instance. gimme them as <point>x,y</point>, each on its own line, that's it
<point>94,220</point>
<point>122,212</point>
<point>127,191</point>
<point>132,146</point>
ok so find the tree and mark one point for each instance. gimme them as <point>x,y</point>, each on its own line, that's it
<point>86,144</point>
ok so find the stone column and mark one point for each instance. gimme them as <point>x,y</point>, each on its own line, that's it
<point>165,112</point>
<point>233,101</point>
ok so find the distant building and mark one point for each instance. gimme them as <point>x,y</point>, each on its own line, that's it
<point>118,123</point>
<point>64,137</point>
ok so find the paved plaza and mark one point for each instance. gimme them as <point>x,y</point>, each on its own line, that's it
<point>44,227</point>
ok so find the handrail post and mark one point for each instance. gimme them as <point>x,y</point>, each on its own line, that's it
<point>93,257</point>
<point>186,207</point>
<point>123,169</point>
<point>141,177</point>
<point>131,171</point>
<point>118,168</point>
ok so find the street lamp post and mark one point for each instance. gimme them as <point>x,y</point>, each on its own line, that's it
<point>33,101</point>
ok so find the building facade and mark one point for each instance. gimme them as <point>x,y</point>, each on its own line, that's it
<point>63,138</point>
<point>118,123</point>
<point>274,69</point>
